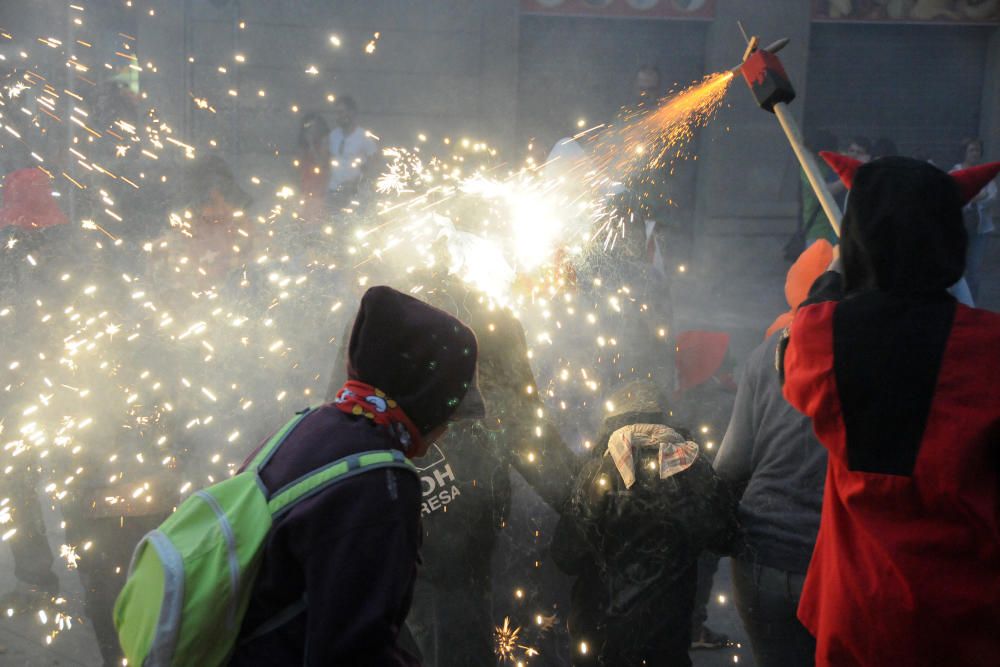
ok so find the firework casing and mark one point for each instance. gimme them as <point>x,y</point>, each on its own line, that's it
<point>766,77</point>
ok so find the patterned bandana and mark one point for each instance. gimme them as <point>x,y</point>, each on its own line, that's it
<point>360,399</point>
<point>674,455</point>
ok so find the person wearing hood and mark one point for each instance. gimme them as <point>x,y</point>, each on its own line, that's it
<point>338,570</point>
<point>770,454</point>
<point>466,482</point>
<point>899,381</point>
<point>705,391</point>
<point>978,217</point>
<point>208,234</point>
<point>643,508</point>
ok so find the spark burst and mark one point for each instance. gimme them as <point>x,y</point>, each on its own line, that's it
<point>133,389</point>
<point>506,643</point>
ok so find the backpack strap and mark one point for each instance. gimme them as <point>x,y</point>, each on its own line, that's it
<point>272,445</point>
<point>289,495</point>
<point>278,620</point>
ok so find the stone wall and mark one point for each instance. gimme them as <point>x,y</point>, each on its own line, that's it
<point>463,67</point>
<point>439,67</point>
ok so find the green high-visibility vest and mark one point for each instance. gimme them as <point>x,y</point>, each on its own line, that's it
<point>190,580</point>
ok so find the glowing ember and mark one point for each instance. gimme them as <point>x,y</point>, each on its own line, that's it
<point>506,641</point>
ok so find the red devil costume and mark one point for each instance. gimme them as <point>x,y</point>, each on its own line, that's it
<point>900,382</point>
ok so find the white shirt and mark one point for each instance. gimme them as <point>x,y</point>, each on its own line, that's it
<point>348,156</point>
<point>984,205</point>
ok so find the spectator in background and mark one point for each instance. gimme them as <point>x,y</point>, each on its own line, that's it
<point>860,149</point>
<point>977,215</point>
<point>813,223</point>
<point>31,216</point>
<point>210,241</point>
<point>352,152</point>
<point>652,236</point>
<point>33,227</point>
<point>313,163</point>
<point>652,191</point>
<point>770,453</point>
<point>647,85</point>
<point>216,202</point>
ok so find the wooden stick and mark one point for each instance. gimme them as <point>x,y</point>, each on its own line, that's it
<point>809,165</point>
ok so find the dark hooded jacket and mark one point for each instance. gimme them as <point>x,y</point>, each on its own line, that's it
<point>341,565</point>
<point>900,383</point>
<point>634,550</point>
<point>475,459</point>
<point>466,478</point>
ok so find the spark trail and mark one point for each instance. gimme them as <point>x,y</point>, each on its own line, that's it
<point>130,387</point>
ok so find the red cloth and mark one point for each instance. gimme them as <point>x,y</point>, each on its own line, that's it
<point>28,201</point>
<point>801,275</point>
<point>698,357</point>
<point>969,181</point>
<point>357,398</point>
<point>906,569</point>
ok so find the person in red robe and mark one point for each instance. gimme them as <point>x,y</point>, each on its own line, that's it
<point>900,382</point>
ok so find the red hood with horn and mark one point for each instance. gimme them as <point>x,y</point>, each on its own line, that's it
<point>699,356</point>
<point>902,230</point>
<point>970,181</point>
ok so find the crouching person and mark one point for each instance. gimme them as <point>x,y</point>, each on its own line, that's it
<point>308,555</point>
<point>643,509</point>
<point>338,570</point>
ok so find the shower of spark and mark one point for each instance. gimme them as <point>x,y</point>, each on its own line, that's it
<point>541,214</point>
<point>507,646</point>
<point>140,384</point>
<point>631,154</point>
<point>649,138</point>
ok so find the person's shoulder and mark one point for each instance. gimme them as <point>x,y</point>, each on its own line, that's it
<point>761,363</point>
<point>812,323</point>
<point>324,436</point>
<point>764,353</point>
<point>983,323</point>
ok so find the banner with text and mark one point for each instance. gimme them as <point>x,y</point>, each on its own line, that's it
<point>649,9</point>
<point>908,11</point>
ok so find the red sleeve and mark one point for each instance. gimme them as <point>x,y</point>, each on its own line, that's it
<point>810,384</point>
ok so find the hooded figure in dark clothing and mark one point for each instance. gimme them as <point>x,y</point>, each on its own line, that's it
<point>338,571</point>
<point>900,382</point>
<point>466,482</point>
<point>34,231</point>
<point>643,509</point>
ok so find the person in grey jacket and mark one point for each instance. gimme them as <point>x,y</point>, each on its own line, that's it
<point>771,451</point>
